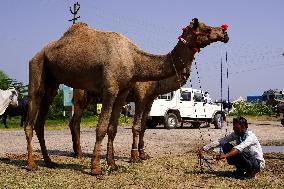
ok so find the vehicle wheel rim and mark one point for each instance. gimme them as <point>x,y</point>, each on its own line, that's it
<point>171,122</point>
<point>219,117</point>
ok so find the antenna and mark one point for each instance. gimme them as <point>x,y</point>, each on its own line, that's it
<point>228,89</point>
<point>74,12</point>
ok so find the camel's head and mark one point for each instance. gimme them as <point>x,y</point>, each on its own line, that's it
<point>197,35</point>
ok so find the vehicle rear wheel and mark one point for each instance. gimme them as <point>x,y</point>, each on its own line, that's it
<point>217,120</point>
<point>171,121</point>
<point>195,125</point>
<point>151,123</point>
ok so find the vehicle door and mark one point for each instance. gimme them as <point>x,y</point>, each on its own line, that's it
<point>185,103</point>
<point>199,109</point>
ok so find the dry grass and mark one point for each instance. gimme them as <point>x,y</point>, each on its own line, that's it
<point>178,171</point>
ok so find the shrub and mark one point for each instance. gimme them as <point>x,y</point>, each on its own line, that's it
<point>242,108</point>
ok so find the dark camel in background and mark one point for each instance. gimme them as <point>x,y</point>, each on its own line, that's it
<point>143,94</point>
<point>108,65</point>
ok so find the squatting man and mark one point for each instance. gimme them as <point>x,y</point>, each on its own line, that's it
<point>246,155</point>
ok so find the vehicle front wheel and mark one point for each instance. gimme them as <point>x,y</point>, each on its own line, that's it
<point>218,117</point>
<point>171,121</point>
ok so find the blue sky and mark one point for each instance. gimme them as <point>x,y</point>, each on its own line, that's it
<point>255,60</point>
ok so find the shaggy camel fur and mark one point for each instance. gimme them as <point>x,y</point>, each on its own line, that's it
<point>143,94</point>
<point>108,65</point>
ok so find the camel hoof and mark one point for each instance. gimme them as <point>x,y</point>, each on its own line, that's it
<point>133,160</point>
<point>32,167</point>
<point>96,171</point>
<point>144,156</point>
<point>113,167</point>
<point>51,165</point>
<point>134,156</point>
<point>78,156</point>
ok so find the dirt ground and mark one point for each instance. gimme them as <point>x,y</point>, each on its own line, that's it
<point>174,163</point>
<point>158,142</point>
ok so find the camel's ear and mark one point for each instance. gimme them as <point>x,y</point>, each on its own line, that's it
<point>195,23</point>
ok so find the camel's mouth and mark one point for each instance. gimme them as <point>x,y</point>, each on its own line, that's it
<point>225,38</point>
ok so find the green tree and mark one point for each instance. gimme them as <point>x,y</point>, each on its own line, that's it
<point>56,108</point>
<point>5,81</point>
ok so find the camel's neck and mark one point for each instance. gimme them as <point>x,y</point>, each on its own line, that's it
<point>153,67</point>
<point>170,84</point>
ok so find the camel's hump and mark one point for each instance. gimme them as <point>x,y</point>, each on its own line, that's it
<point>83,27</point>
<point>76,27</point>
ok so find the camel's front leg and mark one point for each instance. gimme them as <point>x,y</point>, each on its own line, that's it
<point>142,154</point>
<point>107,104</point>
<point>112,128</point>
<point>136,128</point>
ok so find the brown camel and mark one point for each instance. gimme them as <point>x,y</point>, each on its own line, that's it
<point>143,94</point>
<point>108,65</point>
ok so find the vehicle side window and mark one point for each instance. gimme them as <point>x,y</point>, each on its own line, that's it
<point>167,96</point>
<point>198,97</point>
<point>185,96</point>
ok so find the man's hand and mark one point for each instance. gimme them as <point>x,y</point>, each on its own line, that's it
<point>221,156</point>
<point>233,152</point>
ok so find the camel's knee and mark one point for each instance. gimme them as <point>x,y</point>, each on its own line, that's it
<point>112,131</point>
<point>101,132</point>
<point>136,129</point>
<point>29,131</point>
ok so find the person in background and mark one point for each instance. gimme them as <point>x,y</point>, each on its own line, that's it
<point>207,98</point>
<point>246,155</point>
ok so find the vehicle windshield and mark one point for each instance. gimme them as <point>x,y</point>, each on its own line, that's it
<point>198,97</point>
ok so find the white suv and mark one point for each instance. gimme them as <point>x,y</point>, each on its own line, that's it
<point>184,105</point>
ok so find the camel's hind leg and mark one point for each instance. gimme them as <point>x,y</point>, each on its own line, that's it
<point>109,97</point>
<point>36,92</point>
<point>136,128</point>
<point>74,124</point>
<point>112,128</point>
<point>142,154</point>
<point>50,92</point>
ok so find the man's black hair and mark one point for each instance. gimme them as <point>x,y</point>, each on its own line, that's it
<point>241,121</point>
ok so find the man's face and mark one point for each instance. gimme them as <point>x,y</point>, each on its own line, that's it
<point>238,129</point>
